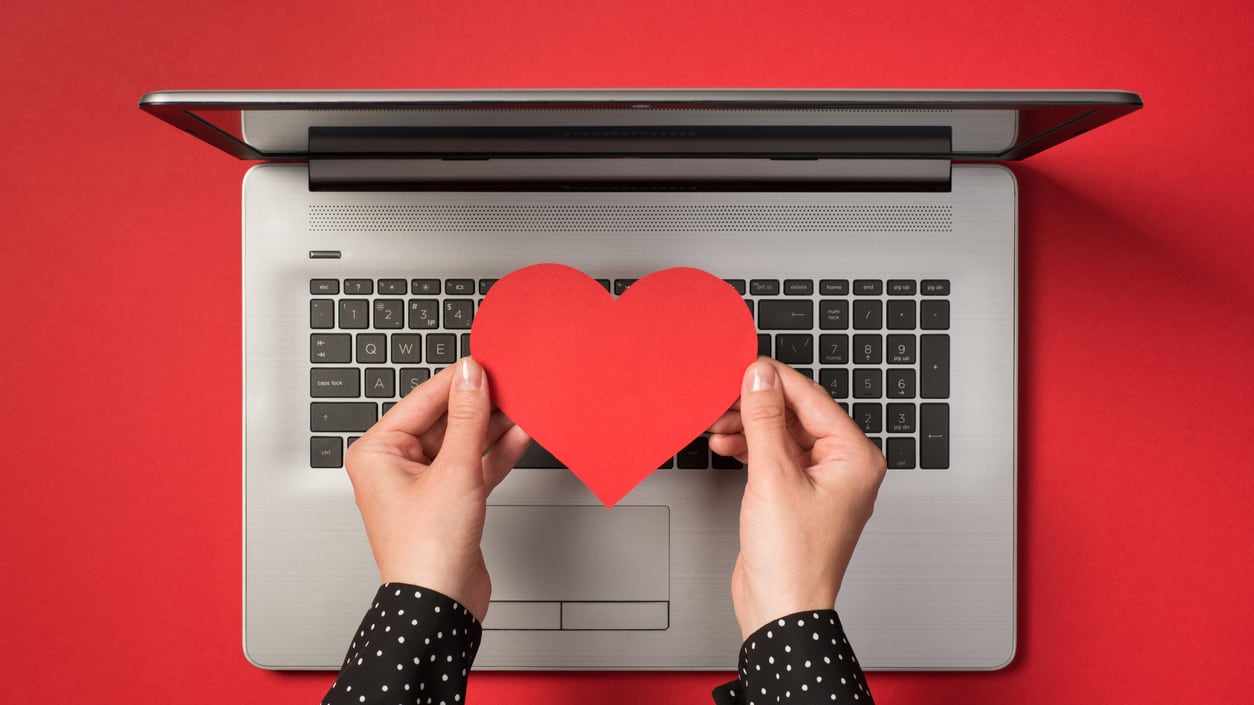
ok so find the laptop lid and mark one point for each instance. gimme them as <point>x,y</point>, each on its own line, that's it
<point>772,125</point>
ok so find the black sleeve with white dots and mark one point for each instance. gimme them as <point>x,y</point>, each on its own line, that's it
<point>801,658</point>
<point>414,647</point>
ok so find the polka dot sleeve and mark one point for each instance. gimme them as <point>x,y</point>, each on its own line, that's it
<point>801,658</point>
<point>415,646</point>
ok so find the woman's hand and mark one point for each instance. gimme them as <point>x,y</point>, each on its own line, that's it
<point>421,477</point>
<point>813,479</point>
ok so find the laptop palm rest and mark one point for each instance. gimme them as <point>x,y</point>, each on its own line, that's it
<point>578,567</point>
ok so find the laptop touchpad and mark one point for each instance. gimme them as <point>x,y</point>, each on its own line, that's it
<point>575,554</point>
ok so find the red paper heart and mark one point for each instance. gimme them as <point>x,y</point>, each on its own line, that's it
<point>612,388</point>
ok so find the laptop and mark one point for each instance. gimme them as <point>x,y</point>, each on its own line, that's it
<point>873,234</point>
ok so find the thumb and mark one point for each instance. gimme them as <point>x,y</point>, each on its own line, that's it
<point>469,409</point>
<point>765,421</point>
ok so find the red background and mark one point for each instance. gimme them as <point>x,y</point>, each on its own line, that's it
<point>119,257</point>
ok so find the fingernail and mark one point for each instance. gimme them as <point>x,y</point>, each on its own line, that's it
<point>470,377</point>
<point>763,377</point>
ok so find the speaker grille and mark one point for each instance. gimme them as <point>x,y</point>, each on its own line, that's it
<point>639,218</point>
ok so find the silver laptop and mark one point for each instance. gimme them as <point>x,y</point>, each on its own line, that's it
<point>873,233</point>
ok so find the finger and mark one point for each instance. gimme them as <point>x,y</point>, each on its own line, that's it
<point>765,421</point>
<point>433,439</point>
<point>422,408</point>
<point>732,445</point>
<point>504,455</point>
<point>469,410</point>
<point>729,422</point>
<point>817,414</point>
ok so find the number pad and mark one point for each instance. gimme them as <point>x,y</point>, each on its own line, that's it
<point>900,350</point>
<point>867,384</point>
<point>867,349</point>
<point>900,418</point>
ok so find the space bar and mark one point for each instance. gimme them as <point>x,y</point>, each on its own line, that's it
<point>537,457</point>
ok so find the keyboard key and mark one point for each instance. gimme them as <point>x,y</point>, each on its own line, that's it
<point>387,406</point>
<point>322,313</point>
<point>695,455</point>
<point>393,286</point>
<point>934,436</point>
<point>805,372</point>
<point>764,344</point>
<point>934,314</point>
<point>900,383</point>
<point>424,314</point>
<point>389,313</point>
<point>459,287</point>
<point>354,313</point>
<point>407,347</point>
<point>330,347</point>
<point>458,313</point>
<point>749,303</point>
<point>785,314</point>
<point>868,349</point>
<point>764,287</point>
<point>935,287</point>
<point>834,287</point>
<point>334,382</point>
<point>342,417</point>
<point>833,349</point>
<point>868,287</point>
<point>358,286</point>
<point>934,366</point>
<point>412,377</point>
<point>900,418</point>
<point>605,284</point>
<point>899,452</point>
<point>738,285</point>
<point>901,287</point>
<point>326,452</point>
<point>900,350</point>
<point>877,442</point>
<point>621,285</point>
<point>869,417</point>
<point>465,345</point>
<point>324,286</point>
<point>868,314</point>
<point>723,462</point>
<point>485,285</point>
<point>424,287</point>
<point>867,384</point>
<point>798,287</point>
<point>901,314</point>
<point>836,382</point>
<point>380,382</point>
<point>372,347</point>
<point>441,348</point>
<point>834,315</point>
<point>794,349</point>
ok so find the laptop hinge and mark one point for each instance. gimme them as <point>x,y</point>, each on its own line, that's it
<point>627,174</point>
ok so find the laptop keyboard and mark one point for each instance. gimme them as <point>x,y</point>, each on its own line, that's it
<point>880,347</point>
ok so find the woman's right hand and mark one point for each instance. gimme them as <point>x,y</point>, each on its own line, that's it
<point>813,479</point>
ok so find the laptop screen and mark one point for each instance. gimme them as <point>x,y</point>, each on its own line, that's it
<point>964,125</point>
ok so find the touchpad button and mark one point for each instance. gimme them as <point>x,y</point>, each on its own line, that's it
<point>583,553</point>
